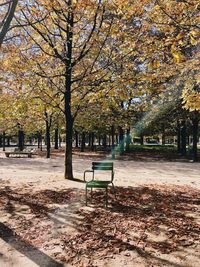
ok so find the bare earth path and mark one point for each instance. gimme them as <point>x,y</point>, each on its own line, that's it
<point>42,215</point>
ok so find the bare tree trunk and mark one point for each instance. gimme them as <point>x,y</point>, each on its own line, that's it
<point>83,142</point>
<point>4,141</point>
<point>20,139</point>
<point>68,148</point>
<point>56,137</point>
<point>67,95</point>
<point>141,140</point>
<point>183,138</point>
<point>113,141</point>
<point>104,141</point>
<point>195,123</point>
<point>121,140</point>
<point>178,137</point>
<point>128,140</point>
<point>48,139</point>
<point>76,139</point>
<point>8,141</point>
<point>92,141</point>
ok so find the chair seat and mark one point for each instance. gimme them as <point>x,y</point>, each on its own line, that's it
<point>97,184</point>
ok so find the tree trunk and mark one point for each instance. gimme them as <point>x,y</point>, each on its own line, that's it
<point>128,140</point>
<point>68,148</point>
<point>76,139</point>
<point>56,137</point>
<point>92,141</point>
<point>109,140</point>
<point>163,134</point>
<point>113,141</point>
<point>83,142</point>
<point>8,141</point>
<point>21,140</point>
<point>67,95</point>
<point>4,141</point>
<point>104,141</point>
<point>178,137</point>
<point>195,123</point>
<point>99,140</point>
<point>38,139</point>
<point>1,140</point>
<point>117,139</point>
<point>89,140</point>
<point>60,140</point>
<point>141,140</point>
<point>7,21</point>
<point>48,139</point>
<point>121,140</point>
<point>183,138</point>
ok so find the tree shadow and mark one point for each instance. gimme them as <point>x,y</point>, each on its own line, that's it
<point>31,252</point>
<point>133,221</point>
<point>39,202</point>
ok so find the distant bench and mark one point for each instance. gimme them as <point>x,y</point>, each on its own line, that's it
<point>18,154</point>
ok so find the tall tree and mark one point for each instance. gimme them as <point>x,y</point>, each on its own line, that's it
<point>77,35</point>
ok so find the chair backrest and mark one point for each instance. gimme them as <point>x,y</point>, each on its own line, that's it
<point>102,166</point>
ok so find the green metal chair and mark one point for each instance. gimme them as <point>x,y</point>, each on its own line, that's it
<point>101,184</point>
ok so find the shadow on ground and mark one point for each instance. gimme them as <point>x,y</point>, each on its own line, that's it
<point>142,220</point>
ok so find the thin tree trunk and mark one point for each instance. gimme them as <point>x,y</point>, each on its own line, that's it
<point>38,139</point>
<point>121,140</point>
<point>56,137</point>
<point>141,140</point>
<point>60,140</point>
<point>109,140</point>
<point>178,137</point>
<point>4,141</point>
<point>128,140</point>
<point>1,140</point>
<point>104,141</point>
<point>117,139</point>
<point>183,138</point>
<point>8,141</point>
<point>89,140</point>
<point>21,140</point>
<point>92,141</point>
<point>99,140</point>
<point>113,141</point>
<point>48,139</point>
<point>76,139</point>
<point>83,142</point>
<point>195,123</point>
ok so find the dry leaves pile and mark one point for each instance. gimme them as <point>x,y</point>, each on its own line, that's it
<point>146,219</point>
<point>150,219</point>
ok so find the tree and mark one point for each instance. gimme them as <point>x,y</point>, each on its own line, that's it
<point>77,35</point>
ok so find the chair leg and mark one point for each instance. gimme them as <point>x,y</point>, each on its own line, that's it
<point>86,195</point>
<point>106,197</point>
<point>114,191</point>
<point>91,193</point>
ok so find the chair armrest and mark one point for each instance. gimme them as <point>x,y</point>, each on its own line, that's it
<point>85,173</point>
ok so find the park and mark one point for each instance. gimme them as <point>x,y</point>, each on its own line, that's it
<point>99,133</point>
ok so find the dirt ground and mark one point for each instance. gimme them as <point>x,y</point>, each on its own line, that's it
<point>153,221</point>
